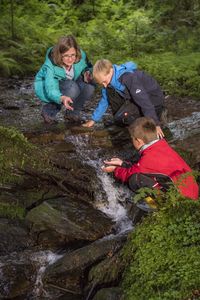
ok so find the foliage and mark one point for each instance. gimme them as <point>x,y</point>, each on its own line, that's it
<point>178,75</point>
<point>115,29</point>
<point>17,154</point>
<point>163,253</point>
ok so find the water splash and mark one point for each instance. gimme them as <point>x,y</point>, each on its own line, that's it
<point>43,259</point>
<point>185,127</point>
<point>115,195</point>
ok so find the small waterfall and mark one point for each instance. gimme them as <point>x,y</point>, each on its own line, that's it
<point>43,259</point>
<point>185,127</point>
<point>115,195</point>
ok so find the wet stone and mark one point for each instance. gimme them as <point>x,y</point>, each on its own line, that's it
<point>58,222</point>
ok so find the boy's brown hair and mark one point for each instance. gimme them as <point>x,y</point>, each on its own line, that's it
<point>63,45</point>
<point>102,66</point>
<point>143,128</point>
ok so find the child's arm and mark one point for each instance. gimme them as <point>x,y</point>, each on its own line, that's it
<point>99,111</point>
<point>111,165</point>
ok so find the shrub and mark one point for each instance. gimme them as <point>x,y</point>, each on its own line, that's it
<point>163,253</point>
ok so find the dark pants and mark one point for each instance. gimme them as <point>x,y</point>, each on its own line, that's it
<point>78,91</point>
<point>140,180</point>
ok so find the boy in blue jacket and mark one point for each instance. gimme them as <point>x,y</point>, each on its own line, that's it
<point>124,83</point>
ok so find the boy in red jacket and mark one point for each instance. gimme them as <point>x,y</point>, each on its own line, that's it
<point>157,161</point>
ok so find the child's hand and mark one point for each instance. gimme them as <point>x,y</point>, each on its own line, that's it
<point>87,77</point>
<point>89,123</point>
<point>160,133</point>
<point>115,161</point>
<point>108,169</point>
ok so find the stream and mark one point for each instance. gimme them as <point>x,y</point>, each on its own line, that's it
<point>69,241</point>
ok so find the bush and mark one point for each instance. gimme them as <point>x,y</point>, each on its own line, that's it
<point>163,253</point>
<point>177,74</point>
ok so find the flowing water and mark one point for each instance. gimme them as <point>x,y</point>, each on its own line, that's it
<point>113,206</point>
<point>21,110</point>
<point>185,127</point>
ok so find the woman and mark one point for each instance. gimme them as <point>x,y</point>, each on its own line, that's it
<point>64,79</point>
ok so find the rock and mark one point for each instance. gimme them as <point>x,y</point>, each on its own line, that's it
<point>107,272</point>
<point>58,222</point>
<point>113,293</point>
<point>69,271</point>
<point>14,236</point>
<point>16,277</point>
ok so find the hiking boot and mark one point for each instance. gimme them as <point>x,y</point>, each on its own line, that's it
<point>47,119</point>
<point>147,205</point>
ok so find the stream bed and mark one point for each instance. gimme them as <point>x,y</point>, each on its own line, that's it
<point>68,245</point>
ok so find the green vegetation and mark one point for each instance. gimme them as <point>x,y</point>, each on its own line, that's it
<point>18,155</point>
<point>163,253</point>
<point>161,36</point>
<point>11,211</point>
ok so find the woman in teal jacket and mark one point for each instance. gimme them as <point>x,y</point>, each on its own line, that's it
<point>64,79</point>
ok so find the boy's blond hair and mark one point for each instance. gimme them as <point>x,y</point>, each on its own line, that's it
<point>143,128</point>
<point>102,66</point>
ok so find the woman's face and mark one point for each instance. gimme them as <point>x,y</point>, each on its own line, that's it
<point>69,57</point>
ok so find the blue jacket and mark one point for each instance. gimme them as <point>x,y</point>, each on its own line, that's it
<point>46,82</point>
<point>116,84</point>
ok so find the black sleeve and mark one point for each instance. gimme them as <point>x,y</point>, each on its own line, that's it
<point>138,93</point>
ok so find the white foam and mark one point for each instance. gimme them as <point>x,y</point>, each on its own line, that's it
<point>185,127</point>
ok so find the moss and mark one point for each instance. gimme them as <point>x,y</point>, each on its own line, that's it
<point>163,254</point>
<point>17,154</point>
<point>11,211</point>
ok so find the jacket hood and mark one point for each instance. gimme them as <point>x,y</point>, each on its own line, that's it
<point>120,70</point>
<point>48,60</point>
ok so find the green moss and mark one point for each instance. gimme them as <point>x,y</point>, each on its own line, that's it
<point>17,154</point>
<point>12,211</point>
<point>163,253</point>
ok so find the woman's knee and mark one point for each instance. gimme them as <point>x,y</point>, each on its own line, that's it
<point>88,90</point>
<point>70,88</point>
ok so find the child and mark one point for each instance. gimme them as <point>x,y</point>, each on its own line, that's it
<point>157,161</point>
<point>64,79</point>
<point>125,82</point>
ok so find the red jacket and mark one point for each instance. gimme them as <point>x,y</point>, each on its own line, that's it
<point>161,158</point>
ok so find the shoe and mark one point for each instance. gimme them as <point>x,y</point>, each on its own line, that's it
<point>47,119</point>
<point>147,205</point>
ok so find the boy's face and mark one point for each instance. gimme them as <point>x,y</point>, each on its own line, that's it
<point>105,79</point>
<point>137,143</point>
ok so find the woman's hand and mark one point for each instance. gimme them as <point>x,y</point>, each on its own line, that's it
<point>160,133</point>
<point>89,123</point>
<point>66,102</point>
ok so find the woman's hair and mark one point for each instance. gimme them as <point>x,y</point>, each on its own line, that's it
<point>143,128</point>
<point>63,45</point>
<point>102,66</point>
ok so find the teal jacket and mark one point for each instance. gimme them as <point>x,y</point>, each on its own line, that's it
<point>46,84</point>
